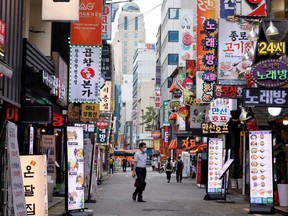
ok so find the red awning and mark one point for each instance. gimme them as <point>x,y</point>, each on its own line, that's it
<point>201,147</point>
<point>173,116</point>
<point>173,144</point>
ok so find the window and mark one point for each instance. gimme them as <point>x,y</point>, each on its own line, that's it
<point>125,51</point>
<point>173,59</point>
<point>173,36</point>
<point>125,35</point>
<point>136,23</point>
<point>136,35</point>
<point>136,43</point>
<point>173,13</point>
<point>125,23</point>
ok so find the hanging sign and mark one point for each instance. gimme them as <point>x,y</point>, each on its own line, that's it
<point>270,73</point>
<point>228,91</point>
<point>272,48</point>
<point>219,115</point>
<point>209,128</point>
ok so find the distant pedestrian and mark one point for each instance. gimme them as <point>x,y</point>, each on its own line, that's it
<point>153,163</point>
<point>124,164</point>
<point>139,170</point>
<point>168,169</point>
<point>179,169</point>
<point>111,165</point>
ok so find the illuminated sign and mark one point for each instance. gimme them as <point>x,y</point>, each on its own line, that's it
<point>209,128</point>
<point>219,114</point>
<point>270,73</point>
<point>228,91</point>
<point>89,112</point>
<point>272,48</point>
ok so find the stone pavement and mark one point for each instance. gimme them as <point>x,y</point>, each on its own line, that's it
<point>163,199</point>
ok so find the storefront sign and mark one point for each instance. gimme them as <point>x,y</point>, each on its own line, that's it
<point>157,97</point>
<point>204,90</point>
<point>272,48</point>
<point>270,73</point>
<point>166,113</point>
<point>227,8</point>
<point>166,137</point>
<point>16,196</point>
<point>49,148</point>
<point>233,43</point>
<point>261,167</point>
<point>251,8</point>
<point>265,97</point>
<point>75,160</point>
<point>155,134</point>
<point>219,115</point>
<point>106,22</point>
<point>84,74</point>
<point>58,120</point>
<point>12,113</point>
<point>34,173</point>
<point>228,91</point>
<point>196,116</point>
<point>102,136</point>
<point>209,128</point>
<point>89,112</point>
<point>215,162</point>
<point>88,31</point>
<point>90,128</point>
<point>106,97</point>
<point>2,37</point>
<point>156,144</point>
<point>106,61</point>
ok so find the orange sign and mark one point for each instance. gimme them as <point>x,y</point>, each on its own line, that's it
<point>205,10</point>
<point>88,31</point>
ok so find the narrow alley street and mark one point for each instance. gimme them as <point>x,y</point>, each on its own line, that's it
<point>162,198</point>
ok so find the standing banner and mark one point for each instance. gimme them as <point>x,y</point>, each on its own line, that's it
<point>261,171</point>
<point>48,148</point>
<point>186,162</point>
<point>215,163</point>
<point>88,31</point>
<point>84,77</point>
<point>34,172</point>
<point>16,195</point>
<point>75,173</point>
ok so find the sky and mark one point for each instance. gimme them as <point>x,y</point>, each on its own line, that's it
<point>152,17</point>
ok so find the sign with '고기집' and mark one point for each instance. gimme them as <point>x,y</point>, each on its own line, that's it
<point>84,75</point>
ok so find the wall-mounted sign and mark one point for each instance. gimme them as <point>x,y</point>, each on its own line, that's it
<point>265,97</point>
<point>106,22</point>
<point>166,114</point>
<point>272,48</point>
<point>204,90</point>
<point>34,173</point>
<point>174,105</point>
<point>197,116</point>
<point>89,112</point>
<point>270,73</point>
<point>106,97</point>
<point>228,91</point>
<point>2,36</point>
<point>106,61</point>
<point>219,115</point>
<point>209,128</point>
<point>90,128</point>
<point>250,8</point>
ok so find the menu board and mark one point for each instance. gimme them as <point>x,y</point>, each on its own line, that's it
<point>215,163</point>
<point>75,157</point>
<point>261,172</point>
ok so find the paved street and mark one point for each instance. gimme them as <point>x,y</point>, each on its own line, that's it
<point>162,198</point>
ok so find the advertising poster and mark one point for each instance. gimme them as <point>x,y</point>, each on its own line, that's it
<point>34,173</point>
<point>261,167</point>
<point>233,43</point>
<point>75,160</point>
<point>186,162</point>
<point>48,148</point>
<point>186,36</point>
<point>84,77</point>
<point>251,8</point>
<point>215,163</point>
<point>16,199</point>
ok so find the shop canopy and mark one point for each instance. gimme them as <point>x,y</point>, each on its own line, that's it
<point>173,144</point>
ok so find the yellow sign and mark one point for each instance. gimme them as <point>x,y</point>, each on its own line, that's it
<point>272,48</point>
<point>156,144</point>
<point>106,97</point>
<point>89,112</point>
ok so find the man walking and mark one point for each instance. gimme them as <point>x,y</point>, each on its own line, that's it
<point>168,169</point>
<point>124,164</point>
<point>179,169</point>
<point>139,170</point>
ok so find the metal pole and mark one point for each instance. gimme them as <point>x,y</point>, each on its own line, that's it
<point>244,161</point>
<point>5,181</point>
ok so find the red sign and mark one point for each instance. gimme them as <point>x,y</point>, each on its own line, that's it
<point>166,137</point>
<point>2,35</point>
<point>228,91</point>
<point>102,125</point>
<point>58,120</point>
<point>12,113</point>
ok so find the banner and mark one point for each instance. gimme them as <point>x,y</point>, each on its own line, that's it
<point>75,172</point>
<point>84,74</point>
<point>34,172</point>
<point>49,148</point>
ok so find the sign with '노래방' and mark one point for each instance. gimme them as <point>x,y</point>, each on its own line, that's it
<point>270,73</point>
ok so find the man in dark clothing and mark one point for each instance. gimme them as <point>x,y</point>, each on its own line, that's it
<point>124,164</point>
<point>179,169</point>
<point>139,170</point>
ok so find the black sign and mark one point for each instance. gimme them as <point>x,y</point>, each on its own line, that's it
<point>209,128</point>
<point>106,61</point>
<point>257,97</point>
<point>40,114</point>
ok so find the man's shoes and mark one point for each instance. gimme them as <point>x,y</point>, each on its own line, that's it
<point>141,200</point>
<point>168,181</point>
<point>134,197</point>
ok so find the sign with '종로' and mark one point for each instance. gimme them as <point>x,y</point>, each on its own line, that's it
<point>270,73</point>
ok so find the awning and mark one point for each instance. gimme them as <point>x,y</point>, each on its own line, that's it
<point>201,147</point>
<point>6,70</point>
<point>173,87</point>
<point>173,144</point>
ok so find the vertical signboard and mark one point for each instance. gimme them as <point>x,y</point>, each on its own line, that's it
<point>88,31</point>
<point>34,172</point>
<point>84,77</point>
<point>48,148</point>
<point>75,172</point>
<point>227,8</point>
<point>215,163</point>
<point>106,97</point>
<point>2,36</point>
<point>166,113</point>
<point>106,61</point>
<point>186,37</point>
<point>261,168</point>
<point>16,196</point>
<point>106,22</point>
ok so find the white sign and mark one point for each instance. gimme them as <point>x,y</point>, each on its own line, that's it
<point>105,97</point>
<point>31,140</point>
<point>48,148</point>
<point>219,114</point>
<point>34,174</point>
<point>18,196</point>
<point>197,116</point>
<point>215,163</point>
<point>60,10</point>
<point>84,77</point>
<point>261,167</point>
<point>106,22</point>
<point>75,160</point>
